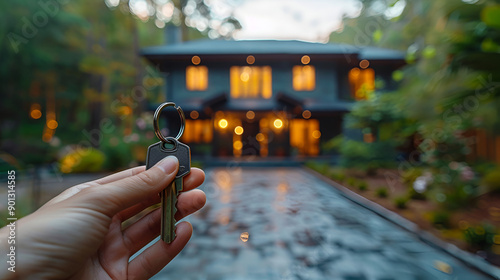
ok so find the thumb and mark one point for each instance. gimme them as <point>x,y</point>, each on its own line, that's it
<point>116,196</point>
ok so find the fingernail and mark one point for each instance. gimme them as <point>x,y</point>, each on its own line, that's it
<point>168,164</point>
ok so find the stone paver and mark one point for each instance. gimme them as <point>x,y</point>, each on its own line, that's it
<point>299,228</point>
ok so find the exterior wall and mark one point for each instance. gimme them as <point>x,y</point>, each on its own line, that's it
<point>218,82</point>
<point>327,82</point>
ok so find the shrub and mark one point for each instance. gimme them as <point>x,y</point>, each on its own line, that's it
<point>412,194</point>
<point>340,177</point>
<point>400,202</point>
<point>82,160</point>
<point>117,157</point>
<point>492,180</point>
<point>362,186</point>
<point>382,192</point>
<point>351,181</point>
<point>480,237</point>
<point>409,176</point>
<point>441,218</point>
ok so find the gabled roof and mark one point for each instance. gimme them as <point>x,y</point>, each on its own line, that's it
<point>268,47</point>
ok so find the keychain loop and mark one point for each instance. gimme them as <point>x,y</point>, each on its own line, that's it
<point>157,119</point>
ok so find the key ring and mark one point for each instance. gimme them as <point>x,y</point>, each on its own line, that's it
<point>157,119</point>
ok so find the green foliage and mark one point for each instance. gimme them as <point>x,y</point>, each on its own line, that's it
<point>367,156</point>
<point>492,180</point>
<point>400,202</point>
<point>117,157</point>
<point>82,160</point>
<point>412,194</point>
<point>338,176</point>
<point>382,192</point>
<point>410,175</point>
<point>441,219</point>
<point>362,185</point>
<point>480,237</point>
<point>351,181</point>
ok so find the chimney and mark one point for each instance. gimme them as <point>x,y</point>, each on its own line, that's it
<point>173,34</point>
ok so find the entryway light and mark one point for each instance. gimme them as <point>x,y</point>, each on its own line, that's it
<point>305,59</point>
<point>194,115</point>
<point>238,130</point>
<point>223,123</point>
<point>250,115</point>
<point>364,64</point>
<point>278,123</point>
<point>316,134</point>
<point>250,59</point>
<point>196,60</point>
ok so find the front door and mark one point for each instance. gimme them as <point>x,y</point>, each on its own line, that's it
<point>251,146</point>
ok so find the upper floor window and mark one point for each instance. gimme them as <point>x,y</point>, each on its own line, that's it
<point>251,82</point>
<point>196,78</point>
<point>362,82</point>
<point>304,78</point>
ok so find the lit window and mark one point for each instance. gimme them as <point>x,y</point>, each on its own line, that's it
<point>362,82</point>
<point>196,77</point>
<point>304,136</point>
<point>251,82</point>
<point>197,131</point>
<point>304,78</point>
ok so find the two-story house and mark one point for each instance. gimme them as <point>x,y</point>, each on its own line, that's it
<point>268,98</point>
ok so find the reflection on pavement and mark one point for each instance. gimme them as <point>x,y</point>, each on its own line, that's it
<point>284,223</point>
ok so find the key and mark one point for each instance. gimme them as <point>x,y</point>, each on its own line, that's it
<point>157,152</point>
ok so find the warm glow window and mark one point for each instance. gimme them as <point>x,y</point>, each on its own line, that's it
<point>362,82</point>
<point>198,131</point>
<point>304,78</point>
<point>196,78</point>
<point>251,82</point>
<point>304,136</point>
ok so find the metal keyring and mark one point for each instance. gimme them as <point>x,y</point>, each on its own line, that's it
<point>157,119</point>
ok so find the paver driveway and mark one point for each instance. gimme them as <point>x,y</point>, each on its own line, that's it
<point>299,228</point>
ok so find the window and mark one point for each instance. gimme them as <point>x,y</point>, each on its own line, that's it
<point>362,82</point>
<point>196,78</point>
<point>197,131</point>
<point>304,78</point>
<point>304,136</point>
<point>251,82</point>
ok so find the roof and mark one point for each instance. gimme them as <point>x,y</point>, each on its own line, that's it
<point>266,47</point>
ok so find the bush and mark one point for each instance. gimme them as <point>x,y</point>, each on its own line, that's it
<point>480,237</point>
<point>409,176</point>
<point>362,186</point>
<point>492,180</point>
<point>117,157</point>
<point>441,218</point>
<point>400,202</point>
<point>351,181</point>
<point>338,176</point>
<point>382,192</point>
<point>413,194</point>
<point>82,160</point>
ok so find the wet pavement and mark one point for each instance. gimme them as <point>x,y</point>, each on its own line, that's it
<point>285,223</point>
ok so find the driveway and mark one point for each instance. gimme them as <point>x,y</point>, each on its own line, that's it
<point>285,223</point>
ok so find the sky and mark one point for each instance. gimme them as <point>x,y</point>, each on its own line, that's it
<point>307,20</point>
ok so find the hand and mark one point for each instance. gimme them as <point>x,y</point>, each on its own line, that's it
<point>78,234</point>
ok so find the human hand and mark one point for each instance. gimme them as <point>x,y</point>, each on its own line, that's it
<point>78,234</point>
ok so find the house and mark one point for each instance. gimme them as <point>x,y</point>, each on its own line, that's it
<point>268,98</point>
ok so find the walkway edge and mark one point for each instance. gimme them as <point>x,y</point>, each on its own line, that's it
<point>467,258</point>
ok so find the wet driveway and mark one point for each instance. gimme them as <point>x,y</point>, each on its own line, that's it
<point>284,223</point>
